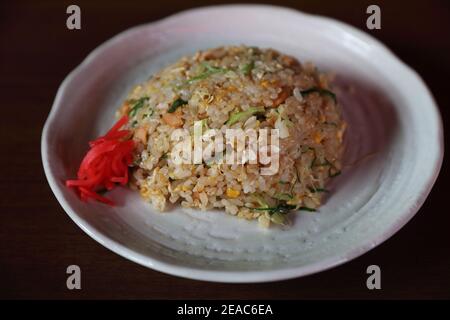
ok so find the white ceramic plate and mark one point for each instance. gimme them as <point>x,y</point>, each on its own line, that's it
<point>394,153</point>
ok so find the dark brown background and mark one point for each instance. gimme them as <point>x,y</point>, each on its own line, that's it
<point>38,240</point>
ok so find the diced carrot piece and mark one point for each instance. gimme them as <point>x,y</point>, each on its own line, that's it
<point>282,96</point>
<point>173,119</point>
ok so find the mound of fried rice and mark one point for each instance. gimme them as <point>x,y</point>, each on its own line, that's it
<point>213,85</point>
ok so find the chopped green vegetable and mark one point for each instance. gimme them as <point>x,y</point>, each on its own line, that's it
<point>278,218</point>
<point>243,115</point>
<point>247,68</point>
<point>146,115</point>
<point>297,179</point>
<point>138,104</point>
<point>204,123</point>
<point>320,91</point>
<point>282,207</point>
<point>314,190</point>
<point>134,123</point>
<point>260,200</point>
<point>278,213</point>
<point>211,68</point>
<point>335,173</point>
<point>209,71</point>
<point>176,104</point>
<point>201,76</point>
<point>283,182</point>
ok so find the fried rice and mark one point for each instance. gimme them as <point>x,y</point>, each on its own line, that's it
<point>237,87</point>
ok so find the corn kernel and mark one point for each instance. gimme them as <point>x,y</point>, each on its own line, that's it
<point>265,84</point>
<point>145,192</point>
<point>231,193</point>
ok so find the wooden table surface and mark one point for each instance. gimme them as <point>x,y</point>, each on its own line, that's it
<point>38,240</point>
